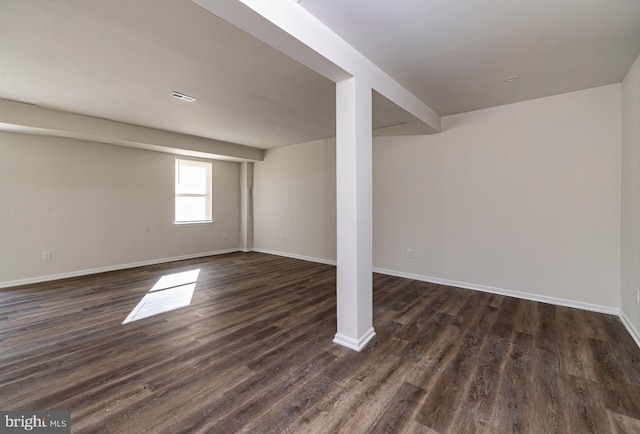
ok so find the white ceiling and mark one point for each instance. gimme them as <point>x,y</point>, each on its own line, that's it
<point>455,54</point>
<point>120,60</point>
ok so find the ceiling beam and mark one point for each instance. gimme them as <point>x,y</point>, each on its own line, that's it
<point>28,118</point>
<point>288,27</point>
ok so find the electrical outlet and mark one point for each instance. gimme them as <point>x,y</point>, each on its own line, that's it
<point>224,236</point>
<point>409,253</point>
<point>281,238</point>
<point>637,295</point>
<point>46,255</point>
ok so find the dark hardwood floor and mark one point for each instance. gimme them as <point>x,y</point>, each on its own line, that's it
<point>253,352</point>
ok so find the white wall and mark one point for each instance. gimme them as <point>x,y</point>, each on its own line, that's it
<point>295,197</point>
<point>631,195</point>
<point>524,197</point>
<point>97,206</point>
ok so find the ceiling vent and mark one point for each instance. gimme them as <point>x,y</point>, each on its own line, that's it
<point>182,96</point>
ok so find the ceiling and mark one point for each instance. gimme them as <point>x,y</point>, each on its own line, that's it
<point>120,60</point>
<point>455,55</point>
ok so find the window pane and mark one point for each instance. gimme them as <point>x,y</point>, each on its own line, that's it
<point>191,209</point>
<point>193,191</point>
<point>191,180</point>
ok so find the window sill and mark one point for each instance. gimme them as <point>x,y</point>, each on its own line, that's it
<point>196,223</point>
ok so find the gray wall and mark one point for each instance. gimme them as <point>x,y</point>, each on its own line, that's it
<point>96,206</point>
<point>524,198</point>
<point>631,196</point>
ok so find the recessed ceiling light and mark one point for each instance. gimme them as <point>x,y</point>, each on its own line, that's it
<point>182,96</point>
<point>511,79</point>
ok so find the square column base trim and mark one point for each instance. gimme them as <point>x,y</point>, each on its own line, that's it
<point>355,344</point>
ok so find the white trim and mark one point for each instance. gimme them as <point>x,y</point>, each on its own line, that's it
<point>51,277</point>
<point>633,331</point>
<point>294,256</point>
<point>609,310</point>
<point>351,343</point>
<point>369,334</point>
<point>355,344</point>
<point>524,295</point>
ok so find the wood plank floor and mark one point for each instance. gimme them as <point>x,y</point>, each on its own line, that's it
<point>254,353</point>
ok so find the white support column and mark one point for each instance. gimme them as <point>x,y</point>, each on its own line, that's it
<point>246,206</point>
<point>354,213</point>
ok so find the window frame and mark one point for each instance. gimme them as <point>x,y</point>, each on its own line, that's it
<point>207,195</point>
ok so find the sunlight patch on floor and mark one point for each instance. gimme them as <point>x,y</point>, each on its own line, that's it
<point>171,292</point>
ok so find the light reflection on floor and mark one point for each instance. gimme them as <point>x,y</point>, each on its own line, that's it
<point>170,292</point>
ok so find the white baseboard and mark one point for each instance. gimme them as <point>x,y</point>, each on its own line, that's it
<point>341,339</point>
<point>609,310</point>
<point>633,331</point>
<point>355,344</point>
<point>294,256</point>
<point>79,273</point>
<point>524,295</point>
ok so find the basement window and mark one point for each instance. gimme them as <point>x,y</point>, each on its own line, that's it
<point>193,192</point>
